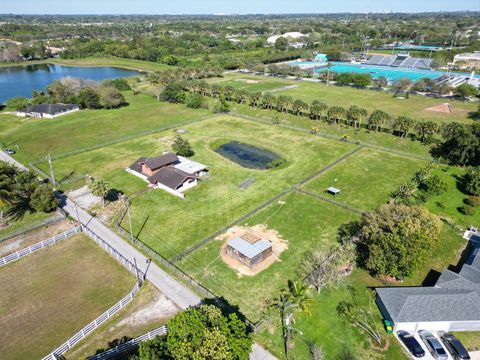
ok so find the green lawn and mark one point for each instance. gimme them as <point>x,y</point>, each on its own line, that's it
<point>340,131</point>
<point>447,204</point>
<point>33,138</point>
<point>368,99</point>
<point>367,178</point>
<point>325,328</point>
<point>249,83</point>
<point>55,292</point>
<point>303,221</point>
<point>145,313</point>
<point>218,200</point>
<point>29,219</point>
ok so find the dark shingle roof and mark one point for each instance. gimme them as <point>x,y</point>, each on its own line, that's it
<point>137,165</point>
<point>50,109</point>
<point>164,160</point>
<point>455,297</point>
<point>171,177</point>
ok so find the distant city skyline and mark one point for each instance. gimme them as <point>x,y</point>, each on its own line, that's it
<point>159,7</point>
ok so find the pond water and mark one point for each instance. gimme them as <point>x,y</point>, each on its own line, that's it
<point>248,156</point>
<point>22,80</point>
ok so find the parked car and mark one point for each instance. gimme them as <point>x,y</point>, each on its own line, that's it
<point>433,345</point>
<point>454,346</point>
<point>411,343</point>
<point>10,151</point>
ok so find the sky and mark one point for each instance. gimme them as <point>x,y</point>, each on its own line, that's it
<point>229,6</point>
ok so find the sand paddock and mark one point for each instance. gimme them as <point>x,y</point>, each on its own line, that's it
<point>279,245</point>
<point>442,108</point>
<point>248,81</point>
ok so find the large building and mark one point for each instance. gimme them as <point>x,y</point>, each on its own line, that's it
<point>169,172</point>
<point>468,60</point>
<point>400,61</point>
<point>453,304</point>
<point>289,36</point>
<point>47,110</point>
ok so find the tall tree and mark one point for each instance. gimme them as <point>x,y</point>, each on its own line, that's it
<point>355,114</point>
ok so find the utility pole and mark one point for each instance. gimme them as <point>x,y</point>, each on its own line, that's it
<point>52,177</point>
<point>136,270</point>
<point>127,203</point>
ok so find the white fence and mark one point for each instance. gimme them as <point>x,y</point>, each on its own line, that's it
<point>40,245</point>
<point>120,258</point>
<point>62,349</point>
<point>122,348</point>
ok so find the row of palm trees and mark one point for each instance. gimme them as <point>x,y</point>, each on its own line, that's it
<point>355,116</point>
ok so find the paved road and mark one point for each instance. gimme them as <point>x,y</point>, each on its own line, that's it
<point>10,160</point>
<point>174,290</point>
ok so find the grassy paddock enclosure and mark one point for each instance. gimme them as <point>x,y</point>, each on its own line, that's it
<point>49,295</point>
<point>304,222</point>
<point>145,313</point>
<point>346,96</point>
<point>85,128</point>
<point>218,200</point>
<point>367,178</point>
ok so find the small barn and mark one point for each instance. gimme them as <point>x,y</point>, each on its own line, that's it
<point>249,249</point>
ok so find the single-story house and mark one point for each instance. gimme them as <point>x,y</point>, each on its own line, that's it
<point>169,172</point>
<point>453,304</point>
<point>249,250</point>
<point>47,110</point>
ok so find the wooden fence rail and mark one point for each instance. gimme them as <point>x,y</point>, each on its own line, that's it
<point>131,344</point>
<point>62,349</point>
<point>40,245</point>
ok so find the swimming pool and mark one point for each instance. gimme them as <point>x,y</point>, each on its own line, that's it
<point>390,73</point>
<point>418,47</point>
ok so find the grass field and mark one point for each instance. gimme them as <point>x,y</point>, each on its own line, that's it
<point>370,100</point>
<point>218,200</point>
<point>303,221</point>
<point>142,315</point>
<point>94,61</point>
<point>26,221</point>
<point>49,295</point>
<point>367,178</point>
<point>325,328</point>
<point>33,138</point>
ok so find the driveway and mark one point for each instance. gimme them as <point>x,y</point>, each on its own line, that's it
<point>10,160</point>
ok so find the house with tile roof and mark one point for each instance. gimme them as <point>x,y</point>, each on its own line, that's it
<point>452,304</point>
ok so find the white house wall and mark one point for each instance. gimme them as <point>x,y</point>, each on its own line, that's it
<point>170,190</point>
<point>137,174</point>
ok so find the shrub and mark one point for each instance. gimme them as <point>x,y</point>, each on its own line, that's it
<point>472,201</point>
<point>434,185</point>
<point>395,238</point>
<point>472,181</point>
<point>275,163</point>
<point>182,147</point>
<point>17,103</point>
<point>171,92</point>
<point>110,97</point>
<point>467,210</point>
<point>194,100</point>
<point>119,84</point>
<point>43,199</point>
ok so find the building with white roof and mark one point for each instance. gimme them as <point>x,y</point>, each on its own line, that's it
<point>288,35</point>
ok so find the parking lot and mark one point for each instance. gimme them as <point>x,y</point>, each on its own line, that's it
<point>427,356</point>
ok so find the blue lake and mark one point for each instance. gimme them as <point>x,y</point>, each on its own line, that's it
<point>22,80</point>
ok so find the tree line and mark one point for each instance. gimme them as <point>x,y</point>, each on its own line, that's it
<point>85,93</point>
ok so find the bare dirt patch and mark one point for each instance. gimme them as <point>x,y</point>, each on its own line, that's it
<point>160,308</point>
<point>248,81</point>
<point>84,198</point>
<point>279,245</point>
<point>32,237</point>
<point>445,108</point>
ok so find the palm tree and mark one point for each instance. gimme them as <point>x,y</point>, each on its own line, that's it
<point>241,96</point>
<point>299,106</point>
<point>100,188</point>
<point>6,195</point>
<point>229,92</point>
<point>335,113</point>
<point>255,99</point>
<point>377,119</point>
<point>317,109</point>
<point>402,125</point>
<point>355,115</point>
<point>268,101</point>
<point>426,129</point>
<point>296,298</point>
